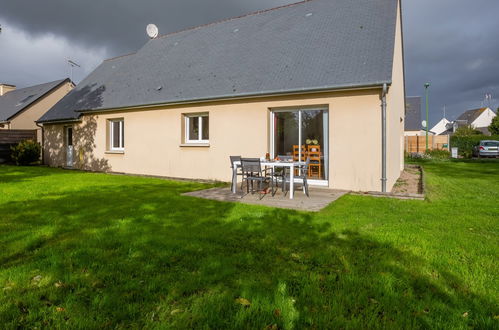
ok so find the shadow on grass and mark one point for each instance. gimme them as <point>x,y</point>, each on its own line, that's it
<point>141,255</point>
<point>12,174</point>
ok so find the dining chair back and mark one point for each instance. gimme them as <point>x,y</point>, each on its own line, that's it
<point>315,167</point>
<point>238,170</point>
<point>296,153</point>
<point>234,159</point>
<point>251,166</point>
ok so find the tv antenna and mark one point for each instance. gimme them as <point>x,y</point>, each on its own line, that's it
<point>72,65</point>
<point>152,31</point>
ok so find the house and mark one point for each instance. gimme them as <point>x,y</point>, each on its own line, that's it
<point>20,108</point>
<point>413,121</point>
<point>440,128</point>
<point>479,119</point>
<point>327,73</point>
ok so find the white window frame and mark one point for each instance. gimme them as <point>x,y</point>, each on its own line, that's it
<point>121,135</point>
<point>199,118</point>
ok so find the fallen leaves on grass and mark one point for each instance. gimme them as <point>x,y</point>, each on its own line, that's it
<point>175,311</point>
<point>36,279</point>
<point>243,301</point>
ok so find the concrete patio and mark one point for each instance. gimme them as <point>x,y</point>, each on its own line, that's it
<point>319,198</point>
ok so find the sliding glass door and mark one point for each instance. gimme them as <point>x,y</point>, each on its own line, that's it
<point>302,133</point>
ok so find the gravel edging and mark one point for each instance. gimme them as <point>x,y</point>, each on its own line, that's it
<point>420,196</point>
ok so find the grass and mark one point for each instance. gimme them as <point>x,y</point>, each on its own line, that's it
<point>83,250</point>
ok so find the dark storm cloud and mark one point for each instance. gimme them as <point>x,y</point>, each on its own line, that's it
<point>453,45</point>
<point>450,43</point>
<point>120,24</point>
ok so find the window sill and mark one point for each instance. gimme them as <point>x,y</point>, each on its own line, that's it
<point>119,152</point>
<point>203,145</point>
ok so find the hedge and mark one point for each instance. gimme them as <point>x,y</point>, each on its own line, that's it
<point>465,144</point>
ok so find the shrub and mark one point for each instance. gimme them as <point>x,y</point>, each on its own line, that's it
<point>438,154</point>
<point>467,131</point>
<point>26,153</point>
<point>465,144</point>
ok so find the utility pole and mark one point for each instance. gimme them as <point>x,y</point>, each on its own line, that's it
<point>426,85</point>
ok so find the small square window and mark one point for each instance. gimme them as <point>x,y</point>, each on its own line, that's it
<point>197,128</point>
<point>116,134</point>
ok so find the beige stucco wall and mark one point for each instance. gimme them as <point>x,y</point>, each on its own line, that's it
<point>54,148</point>
<point>396,110</point>
<point>153,139</point>
<point>26,119</point>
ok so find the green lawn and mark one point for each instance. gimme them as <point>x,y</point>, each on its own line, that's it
<point>83,250</point>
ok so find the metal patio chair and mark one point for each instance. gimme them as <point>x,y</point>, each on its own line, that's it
<point>252,171</point>
<point>239,170</point>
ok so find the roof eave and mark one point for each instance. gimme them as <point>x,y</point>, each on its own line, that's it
<point>58,121</point>
<point>248,96</point>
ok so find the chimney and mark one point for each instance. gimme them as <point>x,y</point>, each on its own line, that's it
<point>5,88</point>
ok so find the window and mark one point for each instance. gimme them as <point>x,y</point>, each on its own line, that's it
<point>116,134</point>
<point>197,128</point>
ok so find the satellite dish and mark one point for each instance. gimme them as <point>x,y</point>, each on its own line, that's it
<point>423,123</point>
<point>152,31</point>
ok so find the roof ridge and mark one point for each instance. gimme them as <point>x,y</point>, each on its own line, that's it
<point>119,56</point>
<point>258,12</point>
<point>37,85</point>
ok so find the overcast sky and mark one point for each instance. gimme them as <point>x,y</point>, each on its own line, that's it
<point>453,44</point>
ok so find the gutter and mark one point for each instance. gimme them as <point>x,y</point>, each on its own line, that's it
<point>383,138</point>
<point>59,121</point>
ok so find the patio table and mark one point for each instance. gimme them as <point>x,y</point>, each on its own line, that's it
<point>273,164</point>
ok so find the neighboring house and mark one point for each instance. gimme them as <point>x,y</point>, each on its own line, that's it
<point>264,82</point>
<point>478,119</point>
<point>441,127</point>
<point>412,124</point>
<point>20,108</point>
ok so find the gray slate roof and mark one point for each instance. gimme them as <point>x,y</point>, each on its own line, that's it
<point>312,45</point>
<point>17,100</point>
<point>412,113</point>
<point>471,115</point>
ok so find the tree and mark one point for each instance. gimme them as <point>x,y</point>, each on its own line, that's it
<point>466,131</point>
<point>494,125</point>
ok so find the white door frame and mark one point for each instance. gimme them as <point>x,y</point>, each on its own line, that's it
<point>69,146</point>
<point>326,137</point>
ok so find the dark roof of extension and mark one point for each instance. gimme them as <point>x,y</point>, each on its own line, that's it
<point>14,102</point>
<point>471,115</point>
<point>307,46</point>
<point>412,113</point>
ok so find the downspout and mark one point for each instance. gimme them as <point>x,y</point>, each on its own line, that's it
<point>383,138</point>
<point>43,140</point>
